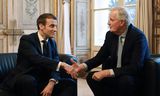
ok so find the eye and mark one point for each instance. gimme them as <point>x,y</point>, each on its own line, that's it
<point>52,25</point>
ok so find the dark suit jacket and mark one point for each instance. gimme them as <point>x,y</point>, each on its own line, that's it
<point>135,52</point>
<point>31,61</point>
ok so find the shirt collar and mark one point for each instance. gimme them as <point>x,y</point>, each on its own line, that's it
<point>40,37</point>
<point>124,33</point>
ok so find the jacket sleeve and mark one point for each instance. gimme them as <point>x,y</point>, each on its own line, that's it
<point>100,57</point>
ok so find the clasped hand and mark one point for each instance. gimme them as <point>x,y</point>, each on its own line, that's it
<point>75,70</point>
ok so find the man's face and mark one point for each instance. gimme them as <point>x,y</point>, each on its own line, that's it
<point>49,30</point>
<point>115,24</point>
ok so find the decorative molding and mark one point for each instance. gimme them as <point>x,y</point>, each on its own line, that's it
<point>82,34</point>
<point>9,39</point>
<point>3,42</point>
<point>12,32</point>
<point>30,11</point>
<point>31,8</point>
<point>3,14</point>
<point>13,42</point>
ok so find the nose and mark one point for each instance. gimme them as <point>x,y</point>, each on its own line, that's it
<point>109,22</point>
<point>55,28</point>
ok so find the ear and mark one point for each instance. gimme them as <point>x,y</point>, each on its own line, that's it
<point>41,26</point>
<point>122,22</point>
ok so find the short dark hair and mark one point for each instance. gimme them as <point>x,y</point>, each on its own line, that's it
<point>42,18</point>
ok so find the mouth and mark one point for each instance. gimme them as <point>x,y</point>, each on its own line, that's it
<point>54,33</point>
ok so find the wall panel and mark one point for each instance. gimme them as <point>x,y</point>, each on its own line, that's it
<point>82,33</point>
<point>3,14</point>
<point>18,17</point>
<point>3,43</point>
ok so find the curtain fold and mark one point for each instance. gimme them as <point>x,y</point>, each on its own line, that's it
<point>64,45</point>
<point>144,17</point>
<point>60,34</point>
<point>67,45</point>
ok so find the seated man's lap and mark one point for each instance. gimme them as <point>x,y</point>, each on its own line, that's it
<point>114,85</point>
<point>68,87</point>
<point>27,82</point>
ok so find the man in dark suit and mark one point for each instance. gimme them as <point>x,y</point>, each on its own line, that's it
<point>37,70</point>
<point>122,57</point>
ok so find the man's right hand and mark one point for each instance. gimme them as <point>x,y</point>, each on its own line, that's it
<point>75,70</point>
<point>70,69</point>
<point>66,67</point>
<point>75,66</point>
<point>81,70</point>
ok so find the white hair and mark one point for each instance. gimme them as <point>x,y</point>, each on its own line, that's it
<point>122,14</point>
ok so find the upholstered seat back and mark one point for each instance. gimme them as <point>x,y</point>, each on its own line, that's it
<point>7,62</point>
<point>152,76</point>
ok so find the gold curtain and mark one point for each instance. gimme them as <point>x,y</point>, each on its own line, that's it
<point>144,18</point>
<point>60,34</point>
<point>63,35</point>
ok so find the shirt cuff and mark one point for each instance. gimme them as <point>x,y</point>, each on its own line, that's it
<point>53,80</point>
<point>59,65</point>
<point>111,72</point>
<point>85,66</point>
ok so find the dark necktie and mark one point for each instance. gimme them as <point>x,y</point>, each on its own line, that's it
<point>45,48</point>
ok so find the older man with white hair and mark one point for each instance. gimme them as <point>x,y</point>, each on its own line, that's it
<point>122,57</point>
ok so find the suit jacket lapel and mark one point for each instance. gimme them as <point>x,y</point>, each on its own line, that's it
<point>38,43</point>
<point>114,49</point>
<point>127,42</point>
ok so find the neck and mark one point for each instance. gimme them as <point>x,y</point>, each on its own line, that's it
<point>42,34</point>
<point>122,30</point>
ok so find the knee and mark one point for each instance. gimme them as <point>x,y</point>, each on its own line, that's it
<point>89,79</point>
<point>126,81</point>
<point>89,76</point>
<point>26,80</point>
<point>73,84</point>
<point>68,82</point>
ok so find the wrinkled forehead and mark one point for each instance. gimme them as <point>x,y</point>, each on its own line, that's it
<point>113,14</point>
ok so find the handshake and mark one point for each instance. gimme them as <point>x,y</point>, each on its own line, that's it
<point>75,70</point>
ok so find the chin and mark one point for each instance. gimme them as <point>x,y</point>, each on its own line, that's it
<point>112,31</point>
<point>52,36</point>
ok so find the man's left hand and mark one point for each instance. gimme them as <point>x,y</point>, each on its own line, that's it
<point>47,91</point>
<point>101,74</point>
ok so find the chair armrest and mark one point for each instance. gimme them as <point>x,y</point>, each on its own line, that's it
<point>152,76</point>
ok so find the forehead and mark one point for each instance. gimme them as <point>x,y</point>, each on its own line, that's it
<point>51,21</point>
<point>113,14</point>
